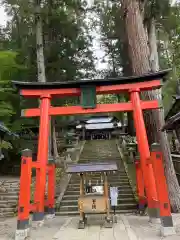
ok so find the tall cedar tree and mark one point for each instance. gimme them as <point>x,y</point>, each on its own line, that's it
<point>139,54</point>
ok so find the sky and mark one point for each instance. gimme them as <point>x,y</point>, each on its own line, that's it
<point>3,17</point>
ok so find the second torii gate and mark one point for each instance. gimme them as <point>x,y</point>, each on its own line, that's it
<point>151,165</point>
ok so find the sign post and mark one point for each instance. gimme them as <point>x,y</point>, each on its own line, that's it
<point>114,201</point>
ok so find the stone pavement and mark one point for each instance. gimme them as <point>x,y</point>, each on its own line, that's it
<point>129,227</point>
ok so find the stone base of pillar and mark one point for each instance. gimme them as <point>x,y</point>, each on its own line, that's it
<point>50,214</point>
<point>154,215</point>
<point>155,220</point>
<point>167,231</point>
<point>23,229</point>
<point>22,234</point>
<point>114,218</point>
<point>167,228</point>
<point>38,219</point>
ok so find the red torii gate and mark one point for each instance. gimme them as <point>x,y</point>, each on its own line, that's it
<point>150,170</point>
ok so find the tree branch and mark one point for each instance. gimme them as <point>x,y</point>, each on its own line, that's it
<point>142,4</point>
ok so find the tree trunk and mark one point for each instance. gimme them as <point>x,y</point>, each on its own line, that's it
<point>54,141</point>
<point>40,60</point>
<point>126,65</point>
<point>154,57</point>
<point>140,56</point>
<point>159,114</point>
<point>39,45</point>
<point>177,131</point>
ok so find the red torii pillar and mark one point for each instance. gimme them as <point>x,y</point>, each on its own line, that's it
<point>167,227</point>
<point>140,184</point>
<point>23,225</point>
<point>42,159</point>
<point>143,146</point>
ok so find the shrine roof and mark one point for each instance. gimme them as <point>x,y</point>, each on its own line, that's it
<point>99,126</point>
<point>89,82</point>
<point>172,122</point>
<point>175,107</point>
<point>91,167</point>
<point>5,130</point>
<point>100,120</point>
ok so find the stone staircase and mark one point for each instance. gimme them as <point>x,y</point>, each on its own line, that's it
<point>9,190</point>
<point>99,150</point>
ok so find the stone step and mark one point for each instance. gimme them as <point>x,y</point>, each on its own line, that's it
<point>120,186</point>
<point>75,197</point>
<point>99,151</point>
<point>8,197</point>
<point>75,202</point>
<point>119,207</point>
<point>8,201</point>
<point>12,189</point>
<point>95,179</point>
<point>111,176</point>
<point>121,173</point>
<point>102,152</point>
<point>6,205</point>
<point>9,181</point>
<point>98,183</point>
<point>10,193</point>
<point>9,186</point>
<point>110,179</point>
<point>90,153</point>
<point>76,213</point>
<point>100,155</point>
<point>7,214</point>
<point>7,209</point>
<point>76,192</point>
<point>100,158</point>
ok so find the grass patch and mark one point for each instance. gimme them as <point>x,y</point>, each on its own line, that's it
<point>132,174</point>
<point>131,171</point>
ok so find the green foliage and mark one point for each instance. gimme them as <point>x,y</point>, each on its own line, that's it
<point>169,47</point>
<point>108,98</point>
<point>8,97</point>
<point>6,145</point>
<point>8,65</point>
<point>10,104</point>
<point>66,39</point>
<point>113,40</point>
<point>67,50</point>
<point>156,9</point>
<point>109,22</point>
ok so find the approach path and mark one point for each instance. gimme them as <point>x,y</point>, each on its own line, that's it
<point>129,227</point>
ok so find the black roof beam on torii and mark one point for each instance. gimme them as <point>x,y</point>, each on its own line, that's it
<point>97,82</point>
